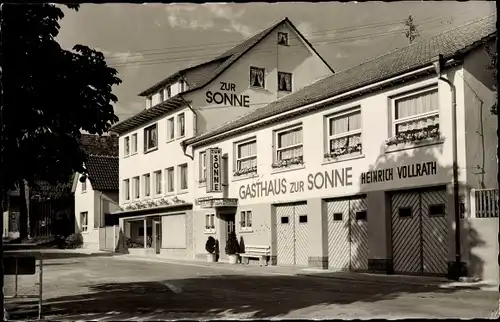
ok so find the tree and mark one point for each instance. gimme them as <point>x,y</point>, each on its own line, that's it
<point>49,96</point>
<point>491,51</point>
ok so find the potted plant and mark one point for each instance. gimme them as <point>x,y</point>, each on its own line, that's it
<point>232,248</point>
<point>210,248</point>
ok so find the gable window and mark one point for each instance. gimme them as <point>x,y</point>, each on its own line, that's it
<point>182,85</point>
<point>257,76</point>
<point>162,96</point>
<point>126,189</point>
<point>84,221</point>
<point>158,182</point>
<point>150,138</point>
<point>183,176</point>
<point>169,173</point>
<point>246,157</point>
<point>136,187</point>
<point>289,148</point>
<point>246,220</point>
<point>210,223</point>
<point>84,185</point>
<point>282,38</point>
<point>415,118</point>
<point>203,167</point>
<point>168,91</point>
<point>134,143</point>
<point>181,125</point>
<point>284,82</point>
<point>170,129</point>
<point>147,185</point>
<point>149,101</point>
<point>344,134</point>
<point>126,146</point>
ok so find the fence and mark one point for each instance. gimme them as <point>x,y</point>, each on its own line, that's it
<point>108,238</point>
<point>484,203</point>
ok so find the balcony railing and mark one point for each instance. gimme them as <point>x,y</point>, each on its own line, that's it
<point>484,203</point>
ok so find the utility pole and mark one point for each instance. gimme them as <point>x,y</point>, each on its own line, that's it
<point>411,32</point>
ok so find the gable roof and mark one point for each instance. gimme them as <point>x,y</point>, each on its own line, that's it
<point>103,172</point>
<point>203,74</point>
<point>394,63</point>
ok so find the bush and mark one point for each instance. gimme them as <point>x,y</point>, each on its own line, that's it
<point>74,241</point>
<point>133,243</point>
<point>232,246</point>
<point>210,245</point>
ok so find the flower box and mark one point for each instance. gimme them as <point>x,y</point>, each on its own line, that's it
<point>415,136</point>
<point>288,162</point>
<point>335,153</point>
<point>245,171</point>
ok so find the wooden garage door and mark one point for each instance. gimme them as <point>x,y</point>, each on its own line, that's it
<point>292,234</point>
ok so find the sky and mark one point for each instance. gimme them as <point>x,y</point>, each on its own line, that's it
<point>148,42</point>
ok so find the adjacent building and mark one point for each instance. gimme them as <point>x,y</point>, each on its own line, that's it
<point>356,171</point>
<point>157,179</point>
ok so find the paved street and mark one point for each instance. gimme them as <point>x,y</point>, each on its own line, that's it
<point>107,288</point>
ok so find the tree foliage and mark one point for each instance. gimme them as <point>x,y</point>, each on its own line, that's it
<point>491,51</point>
<point>49,95</point>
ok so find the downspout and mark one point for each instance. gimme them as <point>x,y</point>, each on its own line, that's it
<point>439,65</point>
<point>183,143</point>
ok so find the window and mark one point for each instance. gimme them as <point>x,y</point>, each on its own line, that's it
<point>284,82</point>
<point>84,184</point>
<point>361,215</point>
<point>183,177</point>
<point>303,219</point>
<point>170,179</point>
<point>147,185</point>
<point>337,216</point>
<point>126,189</point>
<point>134,143</point>
<point>405,212</point>
<point>210,222</point>
<point>203,167</point>
<point>126,146</point>
<point>150,138</point>
<point>246,219</point>
<point>162,96</point>
<point>289,147</point>
<point>84,221</point>
<point>168,91</point>
<point>170,129</point>
<point>437,210</point>
<point>282,38</point>
<point>257,76</point>
<point>136,187</point>
<point>149,101</point>
<point>158,182</point>
<point>181,125</point>
<point>246,157</point>
<point>344,134</point>
<point>416,117</point>
<point>182,85</point>
<point>284,220</point>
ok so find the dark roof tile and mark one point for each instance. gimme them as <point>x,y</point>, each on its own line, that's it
<point>103,172</point>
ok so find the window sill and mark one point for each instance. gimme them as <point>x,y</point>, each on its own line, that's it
<point>246,230</point>
<point>150,150</point>
<point>244,177</point>
<point>183,192</point>
<point>169,194</point>
<point>202,184</point>
<point>211,231</point>
<point>85,232</point>
<point>132,154</point>
<point>170,140</point>
<point>409,145</point>
<point>85,191</point>
<point>290,168</point>
<point>180,137</point>
<point>127,156</point>
<point>342,159</point>
<point>261,89</point>
<point>284,92</point>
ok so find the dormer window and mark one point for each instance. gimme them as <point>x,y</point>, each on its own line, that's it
<point>283,38</point>
<point>162,96</point>
<point>149,101</point>
<point>257,77</point>
<point>182,85</point>
<point>169,91</point>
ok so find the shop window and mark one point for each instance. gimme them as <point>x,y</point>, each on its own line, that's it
<point>246,220</point>
<point>257,77</point>
<point>282,38</point>
<point>337,216</point>
<point>405,212</point>
<point>149,231</point>
<point>361,215</point>
<point>303,219</point>
<point>210,223</point>
<point>437,210</point>
<point>284,220</point>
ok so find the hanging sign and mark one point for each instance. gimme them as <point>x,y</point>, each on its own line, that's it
<point>214,171</point>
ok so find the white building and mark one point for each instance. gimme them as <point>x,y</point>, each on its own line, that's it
<point>156,177</point>
<point>356,170</point>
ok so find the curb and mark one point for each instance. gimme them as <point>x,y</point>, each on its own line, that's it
<point>380,280</point>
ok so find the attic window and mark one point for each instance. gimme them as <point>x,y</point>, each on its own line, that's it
<point>283,38</point>
<point>284,82</point>
<point>257,77</point>
<point>169,91</point>
<point>149,101</point>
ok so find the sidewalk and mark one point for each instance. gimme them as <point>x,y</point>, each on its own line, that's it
<point>421,281</point>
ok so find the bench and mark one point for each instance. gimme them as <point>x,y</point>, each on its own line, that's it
<point>260,252</point>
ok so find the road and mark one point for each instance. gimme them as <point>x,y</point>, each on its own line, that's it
<point>106,288</point>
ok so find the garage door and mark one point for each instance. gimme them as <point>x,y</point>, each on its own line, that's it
<point>347,234</point>
<point>420,232</point>
<point>291,231</point>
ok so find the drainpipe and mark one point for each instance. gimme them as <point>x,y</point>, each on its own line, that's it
<point>183,143</point>
<point>438,66</point>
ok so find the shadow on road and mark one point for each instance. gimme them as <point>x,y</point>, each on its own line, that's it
<point>48,254</point>
<point>217,296</point>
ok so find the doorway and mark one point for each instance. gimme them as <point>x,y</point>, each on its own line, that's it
<point>157,236</point>
<point>229,220</point>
